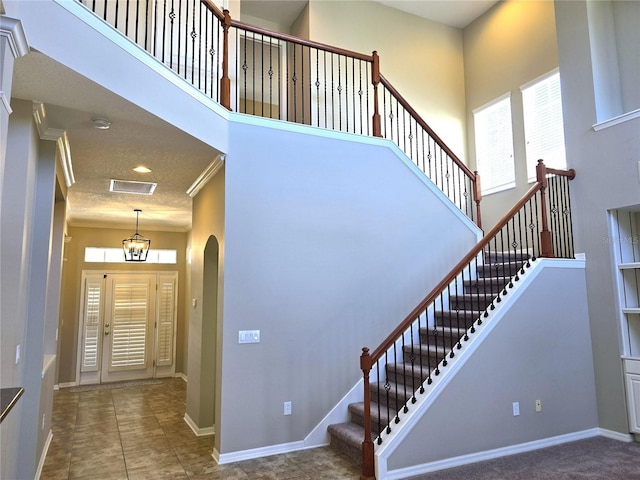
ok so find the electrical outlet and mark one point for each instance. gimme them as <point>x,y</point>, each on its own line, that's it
<point>287,408</point>
<point>538,405</point>
<point>516,409</point>
<point>249,336</point>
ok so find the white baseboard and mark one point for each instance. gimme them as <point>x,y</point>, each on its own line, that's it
<point>222,458</point>
<point>64,385</point>
<point>181,375</point>
<point>487,455</point>
<point>622,437</point>
<point>200,432</point>
<point>43,455</point>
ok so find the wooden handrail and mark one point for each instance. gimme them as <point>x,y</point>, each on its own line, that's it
<point>570,174</point>
<point>428,129</point>
<point>390,340</point>
<point>213,8</point>
<point>301,41</point>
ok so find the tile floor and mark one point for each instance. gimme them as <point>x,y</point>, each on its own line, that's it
<point>140,433</point>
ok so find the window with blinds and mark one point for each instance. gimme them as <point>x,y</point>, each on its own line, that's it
<point>166,316</point>
<point>92,324</point>
<point>494,145</point>
<point>129,325</point>
<point>543,124</point>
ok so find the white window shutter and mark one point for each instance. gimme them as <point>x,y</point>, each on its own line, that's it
<point>166,319</point>
<point>92,323</point>
<point>543,124</point>
<point>129,325</point>
<point>494,145</point>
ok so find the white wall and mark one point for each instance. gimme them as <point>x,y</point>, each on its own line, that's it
<point>330,241</point>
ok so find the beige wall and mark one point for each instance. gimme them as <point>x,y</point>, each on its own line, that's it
<point>74,264</point>
<point>510,45</point>
<point>422,59</point>
<point>203,343</point>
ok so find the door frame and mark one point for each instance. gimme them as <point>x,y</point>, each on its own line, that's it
<point>90,378</point>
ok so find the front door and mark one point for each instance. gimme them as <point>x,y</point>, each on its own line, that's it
<point>127,326</point>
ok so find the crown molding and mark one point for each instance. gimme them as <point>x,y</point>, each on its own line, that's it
<point>58,136</point>
<point>207,175</point>
<point>4,99</point>
<point>12,32</point>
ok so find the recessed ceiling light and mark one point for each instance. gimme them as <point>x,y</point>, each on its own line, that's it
<point>101,123</point>
<point>142,169</point>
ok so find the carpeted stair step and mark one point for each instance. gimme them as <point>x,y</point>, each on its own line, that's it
<point>459,319</point>
<point>499,269</point>
<point>395,397</point>
<point>505,257</point>
<point>470,301</point>
<point>490,286</point>
<point>441,334</point>
<point>411,374</point>
<point>347,438</point>
<point>430,354</point>
<point>380,416</point>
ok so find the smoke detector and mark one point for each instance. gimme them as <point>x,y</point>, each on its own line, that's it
<point>101,123</point>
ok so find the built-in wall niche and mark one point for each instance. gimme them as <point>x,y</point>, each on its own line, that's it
<point>625,244</point>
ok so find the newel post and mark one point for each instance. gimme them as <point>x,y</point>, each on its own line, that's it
<point>477,196</point>
<point>545,235</point>
<point>375,79</point>
<point>225,83</point>
<point>368,467</point>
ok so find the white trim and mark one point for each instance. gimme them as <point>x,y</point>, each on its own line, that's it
<point>65,159</point>
<point>12,30</point>
<point>409,420</point>
<point>540,78</point>
<point>246,119</point>
<point>625,117</point>
<point>47,361</point>
<point>621,437</point>
<point>5,102</point>
<point>181,375</point>
<point>58,136</point>
<point>43,455</point>
<point>119,39</point>
<point>492,102</point>
<point>200,432</point>
<point>224,458</point>
<point>319,436</point>
<point>65,385</point>
<point>490,454</point>
<point>206,175</point>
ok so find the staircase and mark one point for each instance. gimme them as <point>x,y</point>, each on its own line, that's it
<point>453,324</point>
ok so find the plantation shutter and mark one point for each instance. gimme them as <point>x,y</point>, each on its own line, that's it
<point>166,319</point>
<point>129,325</point>
<point>92,323</point>
<point>494,145</point>
<point>543,124</point>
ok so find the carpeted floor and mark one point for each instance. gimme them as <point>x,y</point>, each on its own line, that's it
<point>591,459</point>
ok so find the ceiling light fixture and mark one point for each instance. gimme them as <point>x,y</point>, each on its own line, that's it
<point>101,123</point>
<point>142,169</point>
<point>136,247</point>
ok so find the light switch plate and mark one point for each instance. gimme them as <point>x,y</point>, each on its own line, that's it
<point>249,336</point>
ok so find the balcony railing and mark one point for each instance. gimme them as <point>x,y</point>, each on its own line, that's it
<point>252,70</point>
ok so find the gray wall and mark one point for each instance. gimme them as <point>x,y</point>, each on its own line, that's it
<point>329,244</point>
<point>538,350</point>
<point>607,166</point>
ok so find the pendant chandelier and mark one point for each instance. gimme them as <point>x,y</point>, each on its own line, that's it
<point>136,247</point>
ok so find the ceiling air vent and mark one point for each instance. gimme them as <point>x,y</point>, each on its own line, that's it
<point>126,186</point>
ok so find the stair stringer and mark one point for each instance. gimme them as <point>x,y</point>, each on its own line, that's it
<point>393,440</point>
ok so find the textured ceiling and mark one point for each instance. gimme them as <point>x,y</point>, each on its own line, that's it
<point>134,138</point>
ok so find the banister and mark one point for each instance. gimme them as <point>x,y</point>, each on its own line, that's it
<point>301,41</point>
<point>390,340</point>
<point>213,8</point>
<point>426,126</point>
